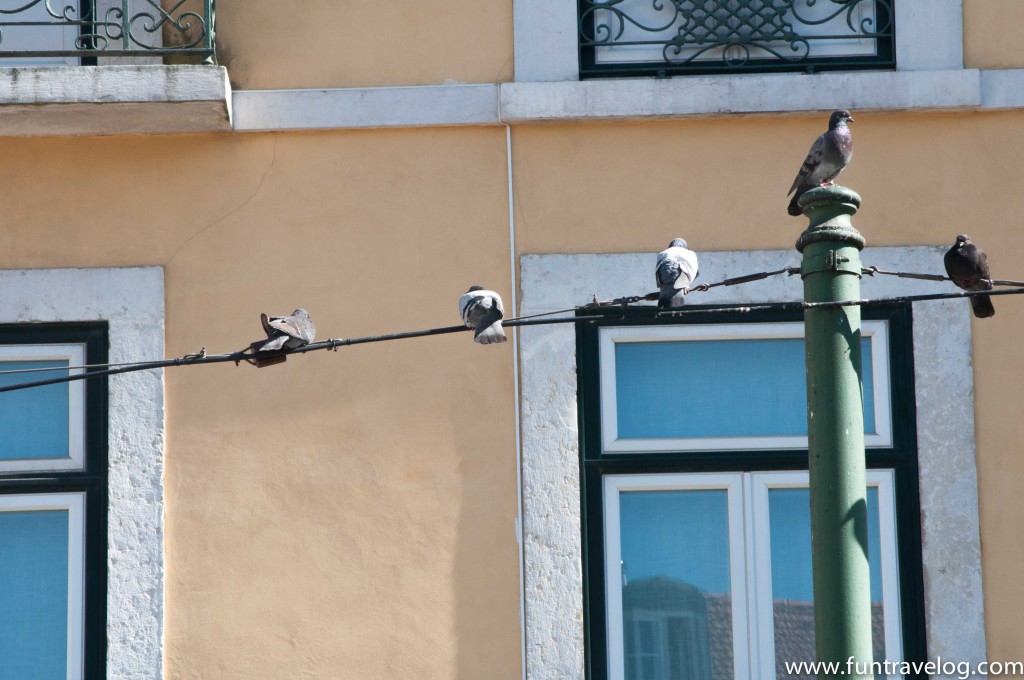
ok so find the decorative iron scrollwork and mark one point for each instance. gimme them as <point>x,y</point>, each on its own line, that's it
<point>110,27</point>
<point>734,35</point>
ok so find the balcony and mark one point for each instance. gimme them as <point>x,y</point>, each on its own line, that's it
<point>97,67</point>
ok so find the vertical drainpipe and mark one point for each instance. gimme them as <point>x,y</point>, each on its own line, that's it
<point>831,271</point>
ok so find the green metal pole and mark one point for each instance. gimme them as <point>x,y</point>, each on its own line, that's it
<point>831,271</point>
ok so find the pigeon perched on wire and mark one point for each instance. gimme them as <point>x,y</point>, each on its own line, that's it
<point>829,154</point>
<point>675,271</point>
<point>482,310</point>
<point>967,265</point>
<point>287,332</point>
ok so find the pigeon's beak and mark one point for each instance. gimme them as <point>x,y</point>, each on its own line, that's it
<point>850,119</point>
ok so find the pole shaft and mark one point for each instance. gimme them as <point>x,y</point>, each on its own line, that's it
<point>835,421</point>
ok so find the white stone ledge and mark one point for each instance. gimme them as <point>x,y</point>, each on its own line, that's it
<point>107,100</point>
<point>626,99</point>
<point>744,94</point>
<point>437,105</point>
<point>1003,89</point>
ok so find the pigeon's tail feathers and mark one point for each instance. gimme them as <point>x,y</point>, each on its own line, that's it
<point>274,344</point>
<point>794,206</point>
<point>490,335</point>
<point>982,306</point>
<point>670,296</point>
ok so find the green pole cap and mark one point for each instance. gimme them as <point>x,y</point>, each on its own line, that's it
<point>829,210</point>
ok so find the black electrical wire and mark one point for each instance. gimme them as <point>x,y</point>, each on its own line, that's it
<point>529,320</point>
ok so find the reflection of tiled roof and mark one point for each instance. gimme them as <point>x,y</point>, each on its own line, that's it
<point>794,634</point>
<point>793,619</point>
<point>720,634</point>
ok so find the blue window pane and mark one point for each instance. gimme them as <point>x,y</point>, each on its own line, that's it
<point>718,388</point>
<point>789,512</point>
<point>676,599</point>
<point>35,422</point>
<point>33,595</point>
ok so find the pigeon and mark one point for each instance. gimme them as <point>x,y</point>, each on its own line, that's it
<point>482,310</point>
<point>676,270</point>
<point>287,332</point>
<point>967,265</point>
<point>829,154</point>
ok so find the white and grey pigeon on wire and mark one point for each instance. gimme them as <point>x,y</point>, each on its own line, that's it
<point>675,271</point>
<point>967,265</point>
<point>287,332</point>
<point>829,154</point>
<point>482,310</point>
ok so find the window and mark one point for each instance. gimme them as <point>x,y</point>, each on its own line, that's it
<point>697,517</point>
<point>690,596</point>
<point>641,37</point>
<point>758,402</point>
<point>932,455</point>
<point>53,504</point>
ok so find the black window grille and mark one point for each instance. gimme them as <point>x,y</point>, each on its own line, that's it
<point>665,38</point>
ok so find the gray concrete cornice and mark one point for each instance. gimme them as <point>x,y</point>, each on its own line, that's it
<point>626,99</point>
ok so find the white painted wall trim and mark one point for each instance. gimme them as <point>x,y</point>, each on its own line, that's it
<point>626,99</point>
<point>722,95</point>
<point>929,36</point>
<point>944,392</point>
<point>132,302</point>
<point>257,110</point>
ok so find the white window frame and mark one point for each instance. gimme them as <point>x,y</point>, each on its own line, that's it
<point>729,482</point>
<point>749,560</point>
<point>551,526</point>
<point>74,504</point>
<point>760,483</point>
<point>609,337</point>
<point>74,354</point>
<point>131,300</point>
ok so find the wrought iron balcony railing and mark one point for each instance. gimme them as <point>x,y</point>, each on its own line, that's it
<point>674,37</point>
<point>106,28</point>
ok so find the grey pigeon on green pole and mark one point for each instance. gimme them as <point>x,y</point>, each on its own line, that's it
<point>482,311</point>
<point>675,271</point>
<point>829,154</point>
<point>967,265</point>
<point>287,332</point>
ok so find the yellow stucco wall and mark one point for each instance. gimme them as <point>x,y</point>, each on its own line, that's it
<point>992,34</point>
<point>333,44</point>
<point>266,45</point>
<point>351,514</point>
<point>346,514</point>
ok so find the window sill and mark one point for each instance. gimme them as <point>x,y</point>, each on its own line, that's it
<point>108,100</point>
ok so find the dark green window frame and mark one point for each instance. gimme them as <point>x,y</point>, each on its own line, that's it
<point>91,480</point>
<point>901,457</point>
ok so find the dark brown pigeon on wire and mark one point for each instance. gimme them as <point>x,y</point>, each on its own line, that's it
<point>967,265</point>
<point>675,271</point>
<point>829,154</point>
<point>482,310</point>
<point>287,332</point>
